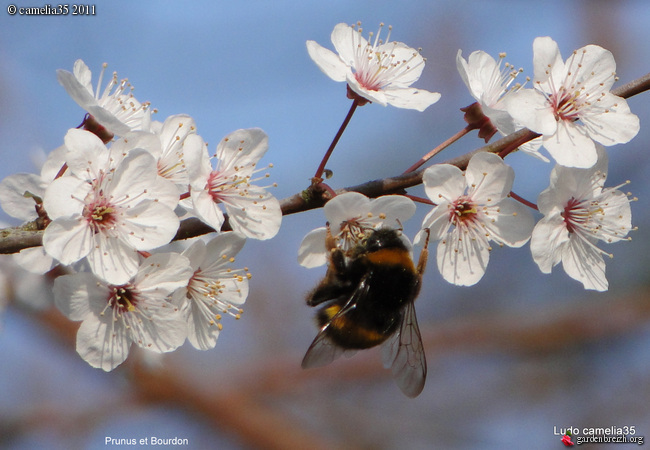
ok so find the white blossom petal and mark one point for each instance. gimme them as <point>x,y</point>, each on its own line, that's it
<point>77,84</point>
<point>462,260</point>
<point>241,148</point>
<point>65,196</point>
<point>549,237</point>
<point>530,108</point>
<point>163,273</point>
<point>112,259</point>
<point>443,182</point>
<point>12,198</point>
<point>75,294</point>
<point>547,55</point>
<point>136,174</point>
<point>347,40</point>
<point>570,147</point>
<point>338,209</point>
<point>207,210</point>
<point>327,61</point>
<point>489,178</point>
<point>224,245</point>
<point>411,98</point>
<point>392,209</point>
<point>585,264</point>
<point>68,239</point>
<point>437,221</point>
<point>86,154</point>
<point>312,251</point>
<point>197,160</point>
<point>102,344</point>
<point>258,216</point>
<point>148,225</point>
<point>608,127</point>
<point>513,225</point>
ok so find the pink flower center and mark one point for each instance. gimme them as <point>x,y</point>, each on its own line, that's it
<point>227,183</point>
<point>124,299</point>
<point>565,105</point>
<point>370,82</point>
<point>379,64</point>
<point>353,227</point>
<point>574,215</point>
<point>216,185</point>
<point>463,210</point>
<point>100,215</point>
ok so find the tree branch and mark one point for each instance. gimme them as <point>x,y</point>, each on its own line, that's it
<point>12,240</point>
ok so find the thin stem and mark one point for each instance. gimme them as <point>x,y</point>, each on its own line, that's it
<point>326,188</point>
<point>523,201</point>
<point>440,148</point>
<point>423,200</point>
<point>515,144</point>
<point>321,167</point>
<point>61,171</point>
<point>634,87</point>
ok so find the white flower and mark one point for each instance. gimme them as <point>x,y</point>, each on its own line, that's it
<point>104,213</point>
<point>172,135</point>
<point>12,194</point>
<point>473,209</point>
<point>252,210</point>
<point>166,146</point>
<point>489,84</point>
<point>579,212</point>
<point>351,216</point>
<point>19,194</point>
<point>14,187</point>
<point>118,110</point>
<point>166,143</point>
<point>380,72</point>
<point>571,104</point>
<point>114,316</point>
<point>214,289</point>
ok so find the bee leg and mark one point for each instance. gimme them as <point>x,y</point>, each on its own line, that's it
<point>330,241</point>
<point>424,254</point>
<point>335,283</point>
<point>335,255</point>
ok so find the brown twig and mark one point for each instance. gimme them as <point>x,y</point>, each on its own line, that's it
<point>13,240</point>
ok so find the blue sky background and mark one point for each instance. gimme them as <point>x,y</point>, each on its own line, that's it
<point>244,64</point>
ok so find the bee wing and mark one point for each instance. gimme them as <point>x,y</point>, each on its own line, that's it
<point>322,350</point>
<point>403,352</point>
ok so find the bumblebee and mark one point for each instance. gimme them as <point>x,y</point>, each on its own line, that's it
<point>367,297</point>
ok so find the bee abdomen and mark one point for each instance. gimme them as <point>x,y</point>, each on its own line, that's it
<point>391,257</point>
<point>352,332</point>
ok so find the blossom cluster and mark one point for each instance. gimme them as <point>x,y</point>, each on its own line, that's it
<point>112,198</point>
<point>569,107</point>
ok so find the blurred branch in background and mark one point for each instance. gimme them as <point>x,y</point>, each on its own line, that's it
<point>242,404</point>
